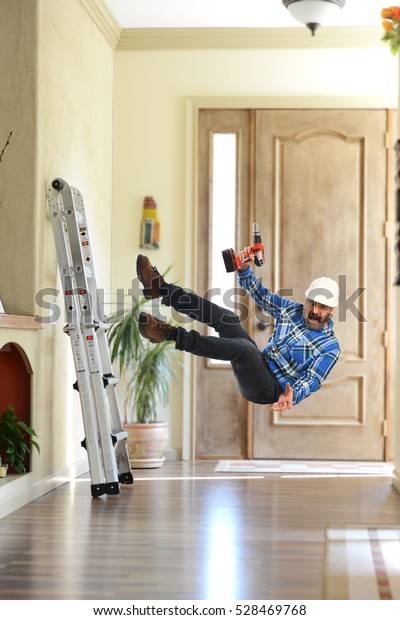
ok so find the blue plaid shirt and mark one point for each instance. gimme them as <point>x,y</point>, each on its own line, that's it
<point>296,355</point>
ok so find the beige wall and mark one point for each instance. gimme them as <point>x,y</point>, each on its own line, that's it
<point>396,408</point>
<point>151,90</point>
<point>396,340</point>
<point>57,95</point>
<point>154,151</point>
<point>18,113</point>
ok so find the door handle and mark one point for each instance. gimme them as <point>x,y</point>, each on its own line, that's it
<point>261,326</point>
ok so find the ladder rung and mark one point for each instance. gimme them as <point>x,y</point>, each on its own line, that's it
<point>119,436</point>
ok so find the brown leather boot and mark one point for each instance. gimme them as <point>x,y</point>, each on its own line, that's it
<point>149,277</point>
<point>153,329</point>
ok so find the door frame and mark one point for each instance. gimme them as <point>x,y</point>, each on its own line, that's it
<point>193,107</point>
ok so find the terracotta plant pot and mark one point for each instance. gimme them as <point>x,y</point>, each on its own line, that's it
<point>146,444</point>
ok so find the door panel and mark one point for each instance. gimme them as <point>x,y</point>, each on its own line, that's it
<point>321,187</point>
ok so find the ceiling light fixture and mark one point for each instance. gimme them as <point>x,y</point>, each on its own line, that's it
<point>313,13</point>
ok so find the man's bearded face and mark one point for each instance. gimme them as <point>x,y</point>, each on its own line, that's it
<point>316,315</point>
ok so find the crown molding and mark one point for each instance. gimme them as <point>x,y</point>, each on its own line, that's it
<point>295,102</point>
<point>247,38</point>
<point>122,39</point>
<point>104,20</point>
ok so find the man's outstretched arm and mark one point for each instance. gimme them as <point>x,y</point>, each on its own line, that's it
<point>308,383</point>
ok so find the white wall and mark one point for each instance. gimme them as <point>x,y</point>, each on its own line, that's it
<point>154,151</point>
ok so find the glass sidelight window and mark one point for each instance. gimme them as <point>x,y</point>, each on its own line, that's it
<point>223,207</point>
<point>223,202</point>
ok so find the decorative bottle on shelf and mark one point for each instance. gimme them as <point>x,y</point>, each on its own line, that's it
<point>150,225</point>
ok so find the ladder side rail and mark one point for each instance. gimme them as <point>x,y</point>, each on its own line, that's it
<point>91,441</point>
<point>72,329</point>
<point>88,327</point>
<point>117,429</point>
<point>87,257</point>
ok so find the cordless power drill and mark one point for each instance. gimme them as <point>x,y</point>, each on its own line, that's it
<point>232,262</point>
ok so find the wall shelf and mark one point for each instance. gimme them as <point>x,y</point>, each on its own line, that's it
<point>13,321</point>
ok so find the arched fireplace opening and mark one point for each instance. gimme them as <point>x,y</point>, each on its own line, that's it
<point>15,382</point>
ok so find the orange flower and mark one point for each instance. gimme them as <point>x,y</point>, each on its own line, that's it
<point>392,12</point>
<point>387,25</point>
<point>388,13</point>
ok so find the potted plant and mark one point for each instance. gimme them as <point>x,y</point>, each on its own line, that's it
<point>16,440</point>
<point>146,369</point>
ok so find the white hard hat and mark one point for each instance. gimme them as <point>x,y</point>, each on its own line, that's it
<point>324,291</point>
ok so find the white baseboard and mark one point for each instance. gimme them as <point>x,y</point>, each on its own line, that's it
<point>17,490</point>
<point>396,480</point>
<point>172,455</point>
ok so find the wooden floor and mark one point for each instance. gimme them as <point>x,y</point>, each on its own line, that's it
<point>184,532</point>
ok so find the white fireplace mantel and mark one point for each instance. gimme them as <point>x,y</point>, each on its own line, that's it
<point>13,321</point>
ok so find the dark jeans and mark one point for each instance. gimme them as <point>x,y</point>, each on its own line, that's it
<point>255,380</point>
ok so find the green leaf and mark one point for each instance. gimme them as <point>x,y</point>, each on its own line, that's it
<point>16,439</point>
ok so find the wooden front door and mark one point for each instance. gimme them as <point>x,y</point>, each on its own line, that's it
<point>320,198</point>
